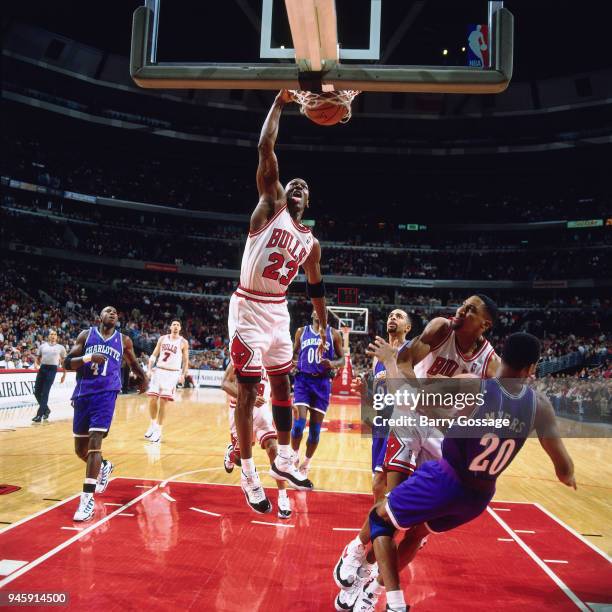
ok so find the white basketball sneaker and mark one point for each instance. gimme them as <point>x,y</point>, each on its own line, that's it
<point>284,508</point>
<point>283,468</point>
<point>367,598</point>
<point>156,436</point>
<point>150,431</point>
<point>106,469</point>
<point>346,571</point>
<point>254,493</point>
<point>85,511</point>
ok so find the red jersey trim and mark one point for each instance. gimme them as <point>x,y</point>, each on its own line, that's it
<point>300,227</point>
<point>276,214</point>
<point>466,359</point>
<point>435,348</point>
<point>246,297</point>
<point>262,293</point>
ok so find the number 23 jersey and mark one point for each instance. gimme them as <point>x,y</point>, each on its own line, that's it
<point>272,256</point>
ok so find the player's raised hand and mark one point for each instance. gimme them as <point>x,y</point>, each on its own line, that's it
<point>382,350</point>
<point>284,96</point>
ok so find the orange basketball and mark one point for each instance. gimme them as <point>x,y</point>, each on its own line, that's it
<point>326,113</point>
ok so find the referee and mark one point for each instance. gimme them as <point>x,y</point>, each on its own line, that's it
<point>50,355</point>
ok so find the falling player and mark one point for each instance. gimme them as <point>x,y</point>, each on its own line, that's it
<point>312,385</point>
<point>168,366</point>
<point>453,490</point>
<point>444,348</point>
<point>97,356</point>
<point>277,245</point>
<point>263,431</point>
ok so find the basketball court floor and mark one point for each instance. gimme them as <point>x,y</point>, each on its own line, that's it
<point>173,529</point>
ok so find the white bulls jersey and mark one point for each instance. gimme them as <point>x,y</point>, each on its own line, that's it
<point>171,353</point>
<point>447,359</point>
<point>273,255</point>
<point>263,390</point>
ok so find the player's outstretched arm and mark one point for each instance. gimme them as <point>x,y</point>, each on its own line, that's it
<point>315,288</point>
<point>130,357</point>
<point>75,358</point>
<point>268,178</point>
<point>338,362</point>
<point>551,441</point>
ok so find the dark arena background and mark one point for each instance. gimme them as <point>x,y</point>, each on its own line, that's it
<point>140,198</point>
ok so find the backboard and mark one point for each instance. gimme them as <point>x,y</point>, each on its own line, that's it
<point>318,45</point>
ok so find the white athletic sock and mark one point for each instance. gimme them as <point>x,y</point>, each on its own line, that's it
<point>282,493</point>
<point>154,422</point>
<point>306,461</point>
<point>284,450</point>
<point>395,599</point>
<point>248,466</point>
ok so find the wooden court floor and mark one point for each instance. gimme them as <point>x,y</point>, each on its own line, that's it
<point>40,460</point>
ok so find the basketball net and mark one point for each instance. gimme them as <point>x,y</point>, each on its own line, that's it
<point>310,100</point>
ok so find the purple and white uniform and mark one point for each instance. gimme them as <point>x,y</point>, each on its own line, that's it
<point>312,386</point>
<point>456,489</point>
<point>97,384</point>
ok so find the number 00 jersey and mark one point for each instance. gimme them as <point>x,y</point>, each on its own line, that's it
<point>272,257</point>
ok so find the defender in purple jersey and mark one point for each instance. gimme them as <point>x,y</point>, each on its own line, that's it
<point>312,385</point>
<point>97,356</point>
<point>452,491</point>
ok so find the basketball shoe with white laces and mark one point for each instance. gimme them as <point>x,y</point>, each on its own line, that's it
<point>284,508</point>
<point>346,598</point>
<point>283,468</point>
<point>106,469</point>
<point>367,598</point>
<point>85,511</point>
<point>254,493</point>
<point>228,464</point>
<point>347,567</point>
<point>156,436</point>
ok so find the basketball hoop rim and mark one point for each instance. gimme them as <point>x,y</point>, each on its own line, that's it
<point>310,99</point>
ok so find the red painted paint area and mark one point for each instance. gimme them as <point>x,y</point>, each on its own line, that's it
<point>587,573</point>
<point>169,556</point>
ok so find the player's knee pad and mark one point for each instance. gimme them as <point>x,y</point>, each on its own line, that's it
<point>282,417</point>
<point>314,432</point>
<point>379,527</point>
<point>298,427</point>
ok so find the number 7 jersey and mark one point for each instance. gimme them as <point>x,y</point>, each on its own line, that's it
<point>272,256</point>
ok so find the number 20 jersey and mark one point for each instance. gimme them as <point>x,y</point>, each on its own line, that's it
<point>272,256</point>
<point>483,453</point>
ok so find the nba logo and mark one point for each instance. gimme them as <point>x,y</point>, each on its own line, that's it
<point>478,46</point>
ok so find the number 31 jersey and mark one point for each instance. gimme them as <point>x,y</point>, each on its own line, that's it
<point>273,255</point>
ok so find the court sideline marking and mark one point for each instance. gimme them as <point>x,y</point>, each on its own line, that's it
<point>566,590</point>
<point>78,536</point>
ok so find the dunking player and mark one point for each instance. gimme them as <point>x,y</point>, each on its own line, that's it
<point>171,360</point>
<point>277,245</point>
<point>263,431</point>
<point>96,356</point>
<point>453,490</point>
<point>445,348</point>
<point>312,385</point>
